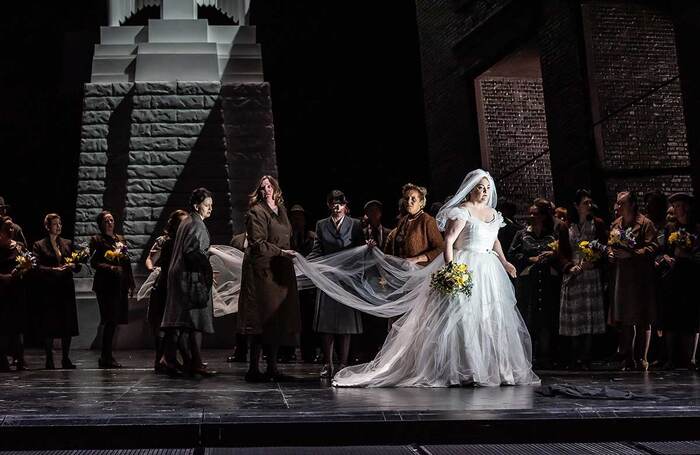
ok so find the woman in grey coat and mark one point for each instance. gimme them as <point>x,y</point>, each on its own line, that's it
<point>333,319</point>
<point>189,307</point>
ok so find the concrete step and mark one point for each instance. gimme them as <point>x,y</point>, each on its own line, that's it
<point>104,78</point>
<point>242,65</point>
<point>128,34</point>
<point>236,34</point>
<point>235,78</point>
<point>177,48</point>
<point>239,50</point>
<point>115,50</point>
<point>178,31</point>
<point>177,67</point>
<point>113,64</point>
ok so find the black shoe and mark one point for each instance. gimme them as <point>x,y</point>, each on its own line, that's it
<point>49,365</point>
<point>202,371</point>
<point>21,366</point>
<point>66,364</point>
<point>327,371</point>
<point>108,364</point>
<point>255,377</point>
<point>236,358</point>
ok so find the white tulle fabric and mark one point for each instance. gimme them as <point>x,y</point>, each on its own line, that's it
<point>445,341</point>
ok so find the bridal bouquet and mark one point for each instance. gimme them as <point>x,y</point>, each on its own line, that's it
<point>590,251</point>
<point>25,261</point>
<point>681,239</point>
<point>119,254</point>
<point>622,238</point>
<point>452,278</point>
<point>79,256</point>
<point>553,246</point>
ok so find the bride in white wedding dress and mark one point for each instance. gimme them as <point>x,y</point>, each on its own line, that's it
<point>457,340</point>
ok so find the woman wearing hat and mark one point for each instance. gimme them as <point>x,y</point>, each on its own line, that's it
<point>680,255</point>
<point>333,319</point>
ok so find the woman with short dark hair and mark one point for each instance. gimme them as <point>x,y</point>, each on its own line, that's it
<point>59,314</point>
<point>582,311</point>
<point>533,252</point>
<point>113,282</point>
<point>189,308</point>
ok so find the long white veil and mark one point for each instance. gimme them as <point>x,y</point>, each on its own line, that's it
<point>363,278</point>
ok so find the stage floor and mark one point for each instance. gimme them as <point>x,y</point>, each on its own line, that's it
<point>132,406</point>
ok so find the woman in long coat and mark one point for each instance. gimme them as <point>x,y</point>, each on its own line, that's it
<point>113,283</point>
<point>189,310</point>
<point>59,314</point>
<point>533,252</point>
<point>12,295</point>
<point>680,309</point>
<point>633,281</point>
<point>268,307</point>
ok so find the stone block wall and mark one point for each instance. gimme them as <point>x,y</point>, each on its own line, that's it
<point>146,146</point>
<point>513,132</point>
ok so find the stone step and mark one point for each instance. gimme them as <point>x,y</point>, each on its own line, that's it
<point>239,50</point>
<point>240,65</point>
<point>128,34</point>
<point>177,48</point>
<point>236,34</point>
<point>235,78</point>
<point>119,50</point>
<point>102,78</point>
<point>178,31</point>
<point>177,67</point>
<point>113,65</point>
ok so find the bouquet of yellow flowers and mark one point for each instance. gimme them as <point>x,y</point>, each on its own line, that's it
<point>452,278</point>
<point>119,254</point>
<point>590,252</point>
<point>25,261</point>
<point>681,239</point>
<point>79,256</point>
<point>553,246</point>
<point>620,238</point>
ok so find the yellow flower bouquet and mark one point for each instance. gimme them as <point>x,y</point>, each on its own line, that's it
<point>79,256</point>
<point>553,246</point>
<point>119,254</point>
<point>453,278</point>
<point>681,239</point>
<point>589,253</point>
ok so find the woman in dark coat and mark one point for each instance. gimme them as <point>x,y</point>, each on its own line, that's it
<point>113,283</point>
<point>268,307</point>
<point>680,313</point>
<point>632,279</point>
<point>12,296</point>
<point>59,314</point>
<point>533,252</point>
<point>189,310</point>
<point>159,256</point>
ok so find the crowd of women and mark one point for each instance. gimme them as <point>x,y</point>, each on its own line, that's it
<point>586,288</point>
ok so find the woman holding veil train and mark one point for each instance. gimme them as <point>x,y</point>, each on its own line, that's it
<point>456,340</point>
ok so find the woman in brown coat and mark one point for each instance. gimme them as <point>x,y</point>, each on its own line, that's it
<point>633,297</point>
<point>268,307</point>
<point>417,237</point>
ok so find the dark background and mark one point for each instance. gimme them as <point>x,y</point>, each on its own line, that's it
<point>346,94</point>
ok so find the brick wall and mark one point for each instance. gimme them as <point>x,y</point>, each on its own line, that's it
<point>450,114</point>
<point>146,146</point>
<point>513,132</point>
<point>631,54</point>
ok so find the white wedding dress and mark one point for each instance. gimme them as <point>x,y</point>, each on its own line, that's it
<point>449,341</point>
